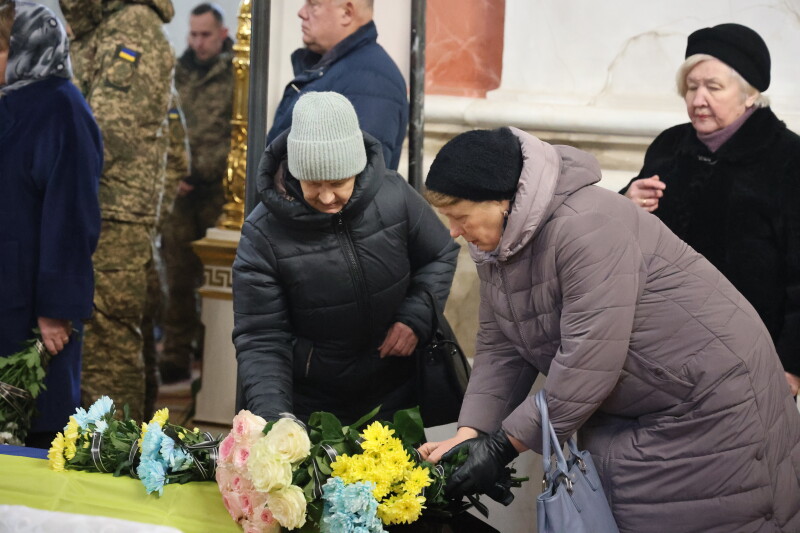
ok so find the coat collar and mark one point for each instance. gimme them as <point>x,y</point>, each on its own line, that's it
<point>280,192</point>
<point>549,175</point>
<point>212,67</point>
<point>304,59</point>
<point>755,135</point>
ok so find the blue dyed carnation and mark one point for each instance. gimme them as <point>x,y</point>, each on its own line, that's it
<point>99,409</point>
<point>349,508</point>
<point>151,444</point>
<point>152,474</point>
<point>82,418</point>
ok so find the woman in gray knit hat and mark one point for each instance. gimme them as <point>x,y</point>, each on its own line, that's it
<point>331,271</point>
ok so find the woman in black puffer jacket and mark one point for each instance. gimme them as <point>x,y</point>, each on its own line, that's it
<point>331,273</point>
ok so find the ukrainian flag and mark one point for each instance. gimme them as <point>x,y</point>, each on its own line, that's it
<point>128,54</point>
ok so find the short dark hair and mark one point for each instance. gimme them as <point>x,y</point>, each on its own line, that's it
<point>214,9</point>
<point>7,11</point>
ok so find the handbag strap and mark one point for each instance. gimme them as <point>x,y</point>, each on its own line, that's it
<point>550,443</point>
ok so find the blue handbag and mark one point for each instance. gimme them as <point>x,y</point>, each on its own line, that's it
<point>573,500</point>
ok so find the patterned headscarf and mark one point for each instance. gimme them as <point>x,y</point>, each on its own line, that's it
<point>38,48</point>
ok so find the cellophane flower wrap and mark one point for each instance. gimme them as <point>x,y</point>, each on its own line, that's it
<point>21,381</point>
<point>158,453</point>
<point>327,477</point>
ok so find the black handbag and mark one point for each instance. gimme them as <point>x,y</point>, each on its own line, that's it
<point>442,373</point>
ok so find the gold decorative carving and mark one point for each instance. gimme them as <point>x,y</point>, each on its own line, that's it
<point>233,210</point>
<point>217,282</point>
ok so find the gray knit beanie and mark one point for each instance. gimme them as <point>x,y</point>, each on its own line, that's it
<point>325,142</point>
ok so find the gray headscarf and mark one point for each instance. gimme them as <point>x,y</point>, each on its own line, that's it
<point>38,48</point>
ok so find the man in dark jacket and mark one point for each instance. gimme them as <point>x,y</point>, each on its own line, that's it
<point>331,271</point>
<point>204,78</point>
<point>342,55</point>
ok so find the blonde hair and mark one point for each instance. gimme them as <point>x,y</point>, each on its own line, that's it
<point>7,12</point>
<point>439,199</point>
<point>694,60</point>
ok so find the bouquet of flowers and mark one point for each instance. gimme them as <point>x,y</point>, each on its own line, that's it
<point>326,477</point>
<point>21,381</point>
<point>157,453</point>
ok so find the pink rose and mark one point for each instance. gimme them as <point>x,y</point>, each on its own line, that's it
<point>247,427</point>
<point>246,504</point>
<point>231,501</point>
<point>245,484</point>
<point>266,517</point>
<point>240,456</point>
<point>226,449</point>
<point>225,479</point>
<point>249,527</point>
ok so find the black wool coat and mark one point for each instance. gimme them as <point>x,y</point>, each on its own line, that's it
<point>315,293</point>
<point>740,208</point>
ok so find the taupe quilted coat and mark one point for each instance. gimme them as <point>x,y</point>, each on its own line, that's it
<point>666,369</point>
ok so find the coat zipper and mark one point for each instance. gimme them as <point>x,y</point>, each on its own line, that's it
<point>308,360</point>
<point>360,284</point>
<point>511,308</point>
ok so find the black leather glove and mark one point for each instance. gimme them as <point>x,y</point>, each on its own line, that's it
<point>484,471</point>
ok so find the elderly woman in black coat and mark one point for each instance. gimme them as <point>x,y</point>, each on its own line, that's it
<point>332,273</point>
<point>728,182</point>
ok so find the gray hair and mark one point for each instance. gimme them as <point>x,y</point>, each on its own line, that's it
<point>692,61</point>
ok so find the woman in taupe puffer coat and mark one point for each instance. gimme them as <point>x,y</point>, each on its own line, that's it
<point>664,367</point>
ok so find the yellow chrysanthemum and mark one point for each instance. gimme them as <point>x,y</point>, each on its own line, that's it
<point>69,450</point>
<point>402,509</point>
<point>377,432</point>
<point>141,438</point>
<point>161,417</point>
<point>416,480</point>
<point>56,453</point>
<point>71,431</point>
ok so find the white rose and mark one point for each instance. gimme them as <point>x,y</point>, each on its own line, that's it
<point>288,440</point>
<point>288,506</point>
<point>267,471</point>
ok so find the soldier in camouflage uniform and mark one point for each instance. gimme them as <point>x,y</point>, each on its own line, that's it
<point>124,65</point>
<point>177,169</point>
<point>204,77</point>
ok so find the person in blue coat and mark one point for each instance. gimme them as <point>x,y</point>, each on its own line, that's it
<point>342,55</point>
<point>51,156</point>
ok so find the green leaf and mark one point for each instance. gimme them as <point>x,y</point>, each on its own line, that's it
<point>366,418</point>
<point>408,426</point>
<point>331,427</point>
<point>268,427</point>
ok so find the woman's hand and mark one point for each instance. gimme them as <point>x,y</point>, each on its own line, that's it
<point>794,383</point>
<point>433,451</point>
<point>55,333</point>
<point>400,340</point>
<point>646,192</point>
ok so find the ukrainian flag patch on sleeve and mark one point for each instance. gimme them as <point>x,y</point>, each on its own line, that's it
<point>173,114</point>
<point>128,54</point>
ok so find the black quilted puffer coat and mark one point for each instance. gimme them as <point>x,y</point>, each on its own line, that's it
<point>663,365</point>
<point>315,293</point>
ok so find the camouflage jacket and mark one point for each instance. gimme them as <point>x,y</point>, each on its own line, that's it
<point>123,64</point>
<point>207,95</point>
<point>178,154</point>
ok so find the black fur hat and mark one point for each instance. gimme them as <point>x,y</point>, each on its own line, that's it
<point>737,46</point>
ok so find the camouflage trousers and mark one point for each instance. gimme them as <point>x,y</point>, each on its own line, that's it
<point>191,216</point>
<point>113,364</point>
<point>152,318</point>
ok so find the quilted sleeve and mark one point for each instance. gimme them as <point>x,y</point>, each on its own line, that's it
<point>262,330</point>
